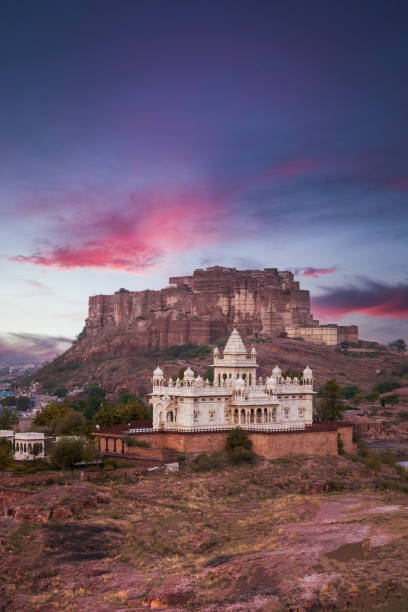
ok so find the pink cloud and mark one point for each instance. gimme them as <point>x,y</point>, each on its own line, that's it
<point>372,299</point>
<point>313,272</point>
<point>144,228</point>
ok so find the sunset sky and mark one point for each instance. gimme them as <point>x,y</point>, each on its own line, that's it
<point>143,139</point>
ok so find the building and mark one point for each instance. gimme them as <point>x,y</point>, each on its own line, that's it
<point>23,445</point>
<point>330,334</point>
<point>236,397</point>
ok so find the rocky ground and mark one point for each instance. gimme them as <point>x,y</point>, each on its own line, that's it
<point>260,538</point>
<point>116,372</point>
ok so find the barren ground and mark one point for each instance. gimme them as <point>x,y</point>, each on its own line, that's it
<point>240,538</point>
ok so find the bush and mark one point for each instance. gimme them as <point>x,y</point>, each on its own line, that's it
<point>403,415</point>
<point>390,399</point>
<point>386,386</point>
<point>238,437</point>
<point>181,458</point>
<point>388,459</point>
<point>204,462</point>
<point>241,455</point>
<point>136,443</point>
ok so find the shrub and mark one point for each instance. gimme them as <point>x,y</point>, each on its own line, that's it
<point>388,459</point>
<point>181,458</point>
<point>304,474</point>
<point>238,437</point>
<point>373,463</point>
<point>204,462</point>
<point>136,443</point>
<point>241,455</point>
<point>403,415</point>
<point>390,399</point>
<point>386,386</point>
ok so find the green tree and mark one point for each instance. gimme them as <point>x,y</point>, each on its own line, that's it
<point>66,452</point>
<point>61,392</point>
<point>10,400</point>
<point>239,446</point>
<point>36,450</point>
<point>120,414</point>
<point>5,454</point>
<point>349,391</point>
<point>50,413</point>
<point>22,403</point>
<point>209,374</point>
<point>72,423</point>
<point>8,418</point>
<point>238,437</point>
<point>386,386</point>
<point>399,345</point>
<point>330,407</point>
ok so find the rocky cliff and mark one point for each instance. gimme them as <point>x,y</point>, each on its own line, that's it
<point>197,309</point>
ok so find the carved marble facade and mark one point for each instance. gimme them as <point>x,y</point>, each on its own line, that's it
<point>236,397</point>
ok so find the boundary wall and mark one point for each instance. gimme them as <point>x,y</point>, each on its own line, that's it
<point>316,440</point>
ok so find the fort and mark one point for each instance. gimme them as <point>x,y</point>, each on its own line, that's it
<point>200,309</point>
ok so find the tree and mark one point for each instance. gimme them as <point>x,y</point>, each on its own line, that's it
<point>120,414</point>
<point>8,418</point>
<point>331,406</point>
<point>72,423</point>
<point>66,452</point>
<point>5,454</point>
<point>238,437</point>
<point>349,391</point>
<point>386,386</point>
<point>209,374</point>
<point>36,450</point>
<point>398,345</point>
<point>239,446</point>
<point>61,392</point>
<point>23,403</point>
<point>50,413</point>
<point>10,400</point>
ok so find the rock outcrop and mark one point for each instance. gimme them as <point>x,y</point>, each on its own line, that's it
<point>198,309</point>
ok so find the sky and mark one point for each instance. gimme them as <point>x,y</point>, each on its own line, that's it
<point>144,139</point>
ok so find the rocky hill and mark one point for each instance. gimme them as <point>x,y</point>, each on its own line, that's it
<point>132,371</point>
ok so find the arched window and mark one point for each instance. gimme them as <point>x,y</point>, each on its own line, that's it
<point>25,447</point>
<point>252,416</point>
<point>259,415</point>
<point>30,448</point>
<point>219,379</point>
<point>265,415</point>
<point>224,377</point>
<point>242,416</point>
<point>236,415</point>
<point>250,380</point>
<point>170,416</point>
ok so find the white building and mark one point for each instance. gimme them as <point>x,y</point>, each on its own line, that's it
<point>24,444</point>
<point>7,434</point>
<point>235,398</point>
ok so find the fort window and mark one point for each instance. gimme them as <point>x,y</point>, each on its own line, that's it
<point>195,416</point>
<point>242,416</point>
<point>212,414</point>
<point>170,416</point>
<point>259,416</point>
<point>25,448</point>
<point>236,415</point>
<point>252,416</point>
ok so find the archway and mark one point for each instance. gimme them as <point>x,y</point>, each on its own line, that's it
<point>259,415</point>
<point>170,416</point>
<point>242,416</point>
